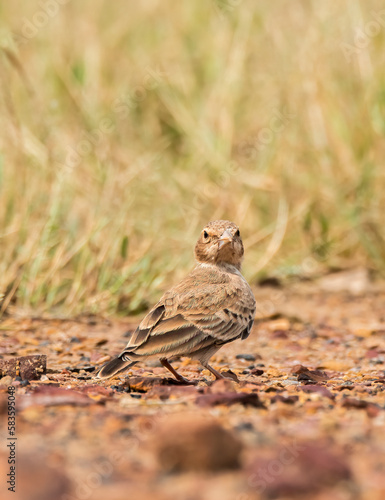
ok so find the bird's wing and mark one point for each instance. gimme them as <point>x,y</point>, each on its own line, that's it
<point>194,315</point>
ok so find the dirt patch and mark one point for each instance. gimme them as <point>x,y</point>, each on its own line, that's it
<point>306,419</point>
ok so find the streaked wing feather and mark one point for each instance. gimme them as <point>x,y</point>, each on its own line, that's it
<point>247,331</point>
<point>154,316</point>
<point>193,311</point>
<point>169,324</point>
<point>142,333</point>
<point>138,338</point>
<point>170,343</point>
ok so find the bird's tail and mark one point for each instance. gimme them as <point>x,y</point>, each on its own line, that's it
<point>114,367</point>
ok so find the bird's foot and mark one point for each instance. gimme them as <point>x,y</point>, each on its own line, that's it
<point>178,377</point>
<point>186,381</point>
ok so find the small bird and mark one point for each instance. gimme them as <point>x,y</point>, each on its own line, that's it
<point>212,306</point>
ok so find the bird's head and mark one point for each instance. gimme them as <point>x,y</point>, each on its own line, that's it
<point>220,243</point>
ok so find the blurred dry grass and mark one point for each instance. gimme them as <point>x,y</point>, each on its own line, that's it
<point>128,125</point>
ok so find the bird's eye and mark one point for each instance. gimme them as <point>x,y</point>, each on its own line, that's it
<point>205,235</point>
<point>237,233</point>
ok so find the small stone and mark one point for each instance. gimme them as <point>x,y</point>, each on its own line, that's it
<point>289,382</point>
<point>6,381</point>
<point>257,372</point>
<point>246,357</point>
<point>245,426</point>
<point>303,373</point>
<point>118,388</point>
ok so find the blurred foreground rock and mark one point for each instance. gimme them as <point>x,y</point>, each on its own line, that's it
<point>300,470</point>
<point>37,478</point>
<point>187,442</point>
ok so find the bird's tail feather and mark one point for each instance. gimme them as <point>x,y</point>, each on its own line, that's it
<point>114,367</point>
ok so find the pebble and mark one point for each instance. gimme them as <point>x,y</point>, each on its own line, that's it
<point>289,382</point>
<point>7,380</point>
<point>246,357</point>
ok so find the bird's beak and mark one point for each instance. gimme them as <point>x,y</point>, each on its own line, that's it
<point>225,239</point>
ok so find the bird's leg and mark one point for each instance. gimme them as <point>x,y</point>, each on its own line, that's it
<point>217,375</point>
<point>179,377</point>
